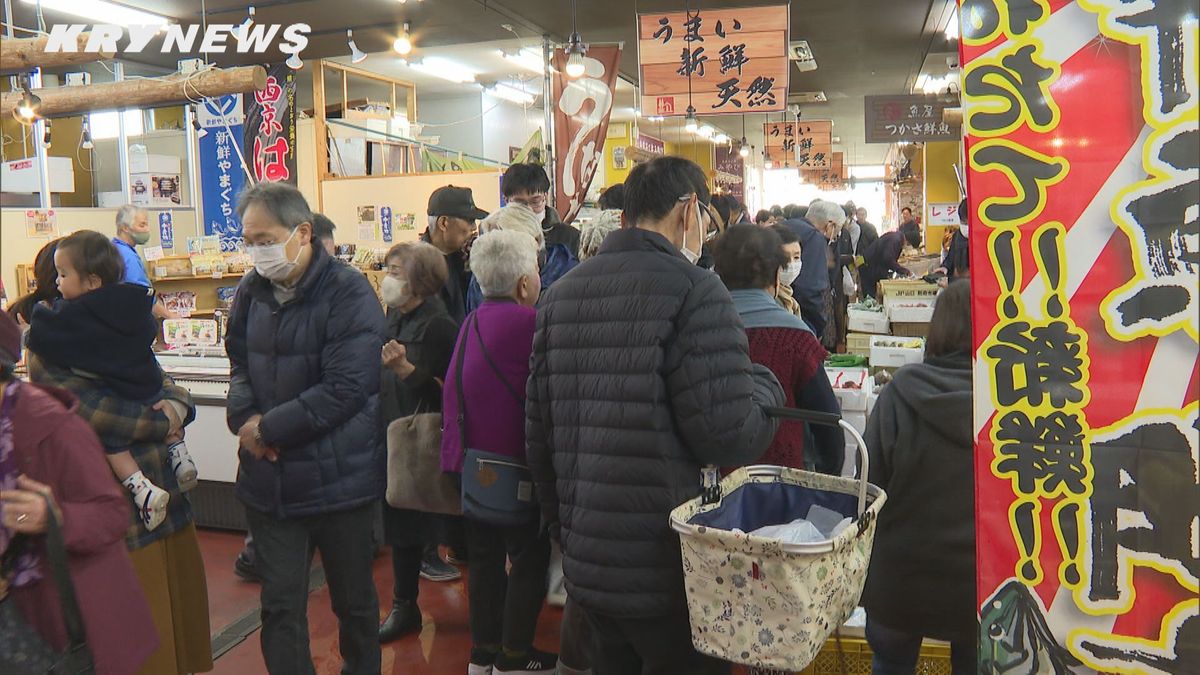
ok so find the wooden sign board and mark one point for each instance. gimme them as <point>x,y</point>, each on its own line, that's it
<point>803,144</point>
<point>832,178</point>
<point>893,119</point>
<point>737,59</point>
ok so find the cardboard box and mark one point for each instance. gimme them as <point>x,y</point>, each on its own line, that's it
<point>887,351</point>
<point>904,329</point>
<point>862,321</point>
<point>853,399</point>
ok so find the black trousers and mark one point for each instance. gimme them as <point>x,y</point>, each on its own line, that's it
<point>660,645</point>
<point>505,607</point>
<point>284,551</point>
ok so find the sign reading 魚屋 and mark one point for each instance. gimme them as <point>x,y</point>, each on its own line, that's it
<point>733,60</point>
<point>1083,146</point>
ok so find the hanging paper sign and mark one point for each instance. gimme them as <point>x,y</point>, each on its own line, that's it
<point>735,60</point>
<point>385,223</point>
<point>271,127</point>
<point>582,107</point>
<point>166,230</point>
<point>41,224</point>
<point>650,144</point>
<point>221,174</point>
<point>895,119</point>
<point>804,144</point>
<point>1084,184</point>
<point>730,168</point>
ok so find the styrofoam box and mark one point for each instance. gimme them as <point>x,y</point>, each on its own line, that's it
<point>913,311</point>
<point>851,400</point>
<point>861,321</point>
<point>884,354</point>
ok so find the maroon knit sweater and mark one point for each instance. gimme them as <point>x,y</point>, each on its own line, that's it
<point>794,356</point>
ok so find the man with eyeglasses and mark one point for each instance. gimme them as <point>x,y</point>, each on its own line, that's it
<point>528,184</point>
<point>640,375</point>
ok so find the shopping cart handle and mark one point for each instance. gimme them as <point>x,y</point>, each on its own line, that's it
<point>811,416</point>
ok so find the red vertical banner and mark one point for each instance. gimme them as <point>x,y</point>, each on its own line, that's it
<point>1083,147</point>
<point>270,127</point>
<point>582,107</point>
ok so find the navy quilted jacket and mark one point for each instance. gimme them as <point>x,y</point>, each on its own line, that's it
<point>311,368</point>
<point>640,375</point>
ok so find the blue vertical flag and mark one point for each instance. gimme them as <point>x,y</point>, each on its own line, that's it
<point>221,175</point>
<point>385,223</point>
<point>166,230</point>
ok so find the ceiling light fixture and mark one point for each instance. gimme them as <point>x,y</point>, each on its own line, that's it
<point>511,93</point>
<point>445,69</point>
<point>575,48</point>
<point>404,44</point>
<point>721,139</point>
<point>706,131</point>
<point>244,27</point>
<point>46,135</point>
<point>690,124</point>
<point>86,136</point>
<point>743,146</point>
<point>102,11</point>
<point>27,109</point>
<point>528,58</point>
<point>294,61</point>
<point>356,55</point>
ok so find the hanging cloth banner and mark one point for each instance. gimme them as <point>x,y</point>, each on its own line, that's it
<point>531,153</point>
<point>271,127</point>
<point>221,174</point>
<point>582,107</point>
<point>434,162</point>
<point>1082,129</point>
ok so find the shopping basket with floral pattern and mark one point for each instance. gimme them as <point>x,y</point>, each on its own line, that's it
<point>763,602</point>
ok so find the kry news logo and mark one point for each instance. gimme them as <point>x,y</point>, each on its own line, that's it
<point>256,38</point>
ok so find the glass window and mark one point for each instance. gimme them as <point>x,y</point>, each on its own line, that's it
<point>104,125</point>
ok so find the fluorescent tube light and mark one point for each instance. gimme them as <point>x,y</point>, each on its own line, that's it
<point>102,11</point>
<point>445,69</point>
<point>511,93</point>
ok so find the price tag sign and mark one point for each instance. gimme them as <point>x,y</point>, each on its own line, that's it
<point>153,253</point>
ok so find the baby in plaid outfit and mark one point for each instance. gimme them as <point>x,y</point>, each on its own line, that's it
<point>103,329</point>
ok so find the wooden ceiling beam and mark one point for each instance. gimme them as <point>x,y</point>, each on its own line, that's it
<point>23,54</point>
<point>141,92</point>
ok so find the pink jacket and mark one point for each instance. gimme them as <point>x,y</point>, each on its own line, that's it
<point>58,448</point>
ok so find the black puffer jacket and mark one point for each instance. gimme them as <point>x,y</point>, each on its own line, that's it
<point>311,368</point>
<point>640,374</point>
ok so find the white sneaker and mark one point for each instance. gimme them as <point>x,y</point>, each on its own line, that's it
<point>151,502</point>
<point>183,466</point>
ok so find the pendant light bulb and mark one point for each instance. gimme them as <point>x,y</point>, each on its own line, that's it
<point>356,55</point>
<point>46,136</point>
<point>86,142</point>
<point>744,150</point>
<point>27,109</point>
<point>201,132</point>
<point>294,61</point>
<point>690,124</point>
<point>575,52</point>
<point>403,44</point>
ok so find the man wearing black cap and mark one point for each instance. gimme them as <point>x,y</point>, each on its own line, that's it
<point>452,215</point>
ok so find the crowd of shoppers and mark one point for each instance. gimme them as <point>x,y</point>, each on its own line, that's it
<point>603,367</point>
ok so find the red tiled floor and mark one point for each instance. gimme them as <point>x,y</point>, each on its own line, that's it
<point>228,596</point>
<point>442,648</point>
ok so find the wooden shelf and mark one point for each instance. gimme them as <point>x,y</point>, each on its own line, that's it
<point>201,277</point>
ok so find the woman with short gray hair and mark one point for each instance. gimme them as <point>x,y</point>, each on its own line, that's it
<point>485,391</point>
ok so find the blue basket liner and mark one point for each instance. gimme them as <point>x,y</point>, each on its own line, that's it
<point>754,505</point>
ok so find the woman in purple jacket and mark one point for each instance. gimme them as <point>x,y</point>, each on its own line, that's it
<point>504,610</point>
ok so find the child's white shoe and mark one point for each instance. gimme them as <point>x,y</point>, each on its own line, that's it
<point>183,466</point>
<point>149,500</point>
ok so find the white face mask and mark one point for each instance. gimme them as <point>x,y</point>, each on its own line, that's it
<point>692,256</point>
<point>790,273</point>
<point>270,260</point>
<point>962,227</point>
<point>394,291</point>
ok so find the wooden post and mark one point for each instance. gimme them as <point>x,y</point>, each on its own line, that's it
<point>320,134</point>
<point>142,93</point>
<point>21,54</point>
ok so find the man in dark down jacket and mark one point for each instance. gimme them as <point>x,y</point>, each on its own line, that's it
<point>640,375</point>
<point>304,344</point>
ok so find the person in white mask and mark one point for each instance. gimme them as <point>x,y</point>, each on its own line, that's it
<point>420,338</point>
<point>304,341</point>
<point>957,263</point>
<point>528,184</point>
<point>133,230</point>
<point>791,271</point>
<point>640,374</point>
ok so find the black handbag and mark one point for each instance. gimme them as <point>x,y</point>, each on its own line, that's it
<point>496,489</point>
<point>24,650</point>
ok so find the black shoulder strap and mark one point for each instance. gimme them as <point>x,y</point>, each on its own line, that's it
<point>499,375</point>
<point>56,556</point>
<point>473,324</point>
